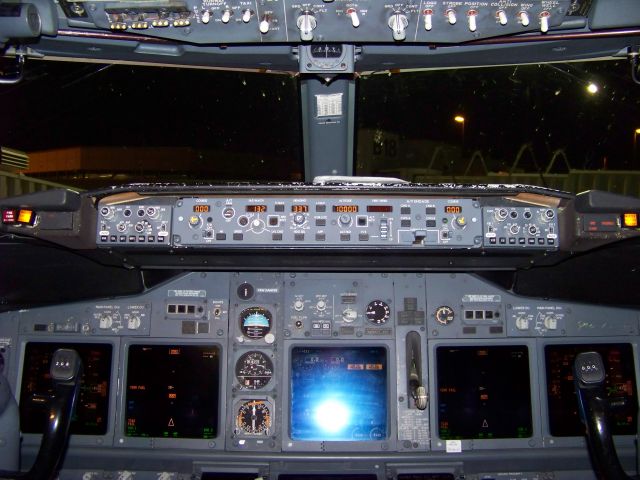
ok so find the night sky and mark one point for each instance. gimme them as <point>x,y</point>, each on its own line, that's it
<point>257,115</point>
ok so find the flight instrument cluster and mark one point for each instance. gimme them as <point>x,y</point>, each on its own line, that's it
<point>238,373</point>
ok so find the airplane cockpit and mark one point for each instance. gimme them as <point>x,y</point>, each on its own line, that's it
<point>342,322</point>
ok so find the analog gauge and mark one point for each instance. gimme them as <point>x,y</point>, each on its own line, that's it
<point>254,418</point>
<point>255,322</point>
<point>326,51</point>
<point>378,312</point>
<point>444,315</point>
<point>254,370</point>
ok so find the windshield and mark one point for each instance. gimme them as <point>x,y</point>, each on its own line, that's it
<point>90,125</point>
<point>571,126</point>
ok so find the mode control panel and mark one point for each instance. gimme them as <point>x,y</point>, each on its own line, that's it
<point>520,227</point>
<point>328,221</point>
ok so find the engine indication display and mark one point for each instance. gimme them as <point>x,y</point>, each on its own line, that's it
<point>254,418</point>
<point>254,370</point>
<point>484,392</point>
<point>255,322</point>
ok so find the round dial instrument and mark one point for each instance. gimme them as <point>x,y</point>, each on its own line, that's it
<point>254,370</point>
<point>255,322</point>
<point>444,315</point>
<point>378,312</point>
<point>254,418</point>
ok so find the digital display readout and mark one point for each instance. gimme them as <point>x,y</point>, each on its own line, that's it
<point>483,392</point>
<point>92,412</point>
<point>339,393</point>
<point>379,208</point>
<point>201,208</point>
<point>620,386</point>
<point>452,209</point>
<point>300,208</point>
<point>345,208</point>
<point>164,399</point>
<point>256,208</point>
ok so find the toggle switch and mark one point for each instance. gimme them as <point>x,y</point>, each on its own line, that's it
<point>472,16</point>
<point>353,15</point>
<point>428,19</point>
<point>451,16</point>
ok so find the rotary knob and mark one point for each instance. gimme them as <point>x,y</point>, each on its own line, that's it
<point>398,24</point>
<point>306,24</point>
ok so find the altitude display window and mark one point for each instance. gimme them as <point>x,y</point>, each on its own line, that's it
<point>172,391</point>
<point>620,385</point>
<point>91,415</point>
<point>484,392</point>
<point>339,393</point>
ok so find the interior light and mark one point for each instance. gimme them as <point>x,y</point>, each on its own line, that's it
<point>630,220</point>
<point>592,88</point>
<point>26,216</point>
<point>459,118</point>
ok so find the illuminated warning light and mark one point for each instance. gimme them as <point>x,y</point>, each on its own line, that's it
<point>174,351</point>
<point>9,216</point>
<point>630,220</point>
<point>28,217</point>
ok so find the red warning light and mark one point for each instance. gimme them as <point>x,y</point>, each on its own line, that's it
<point>9,216</point>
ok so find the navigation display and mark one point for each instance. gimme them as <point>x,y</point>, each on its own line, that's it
<point>172,391</point>
<point>620,384</point>
<point>338,393</point>
<point>483,392</point>
<point>92,412</point>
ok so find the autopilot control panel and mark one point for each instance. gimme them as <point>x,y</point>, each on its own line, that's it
<point>335,221</point>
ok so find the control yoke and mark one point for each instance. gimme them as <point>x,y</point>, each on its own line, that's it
<point>595,413</point>
<point>66,372</point>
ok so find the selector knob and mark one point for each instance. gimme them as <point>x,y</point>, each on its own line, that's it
<point>349,315</point>
<point>502,17</point>
<point>106,321</point>
<point>299,219</point>
<point>134,322</point>
<point>544,21</point>
<point>246,16</point>
<point>321,305</point>
<point>344,219</point>
<point>298,305</point>
<point>522,322</point>
<point>451,16</point>
<point>306,24</point>
<point>226,16</point>
<point>194,221</point>
<point>353,14</point>
<point>398,24</point>
<point>551,322</point>
<point>265,25</point>
<point>428,19</point>
<point>472,16</point>
<point>524,18</point>
<point>461,222</point>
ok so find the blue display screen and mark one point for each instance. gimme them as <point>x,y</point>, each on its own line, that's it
<point>338,393</point>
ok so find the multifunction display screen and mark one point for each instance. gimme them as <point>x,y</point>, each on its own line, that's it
<point>91,416</point>
<point>172,391</point>
<point>620,385</point>
<point>483,392</point>
<point>339,393</point>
